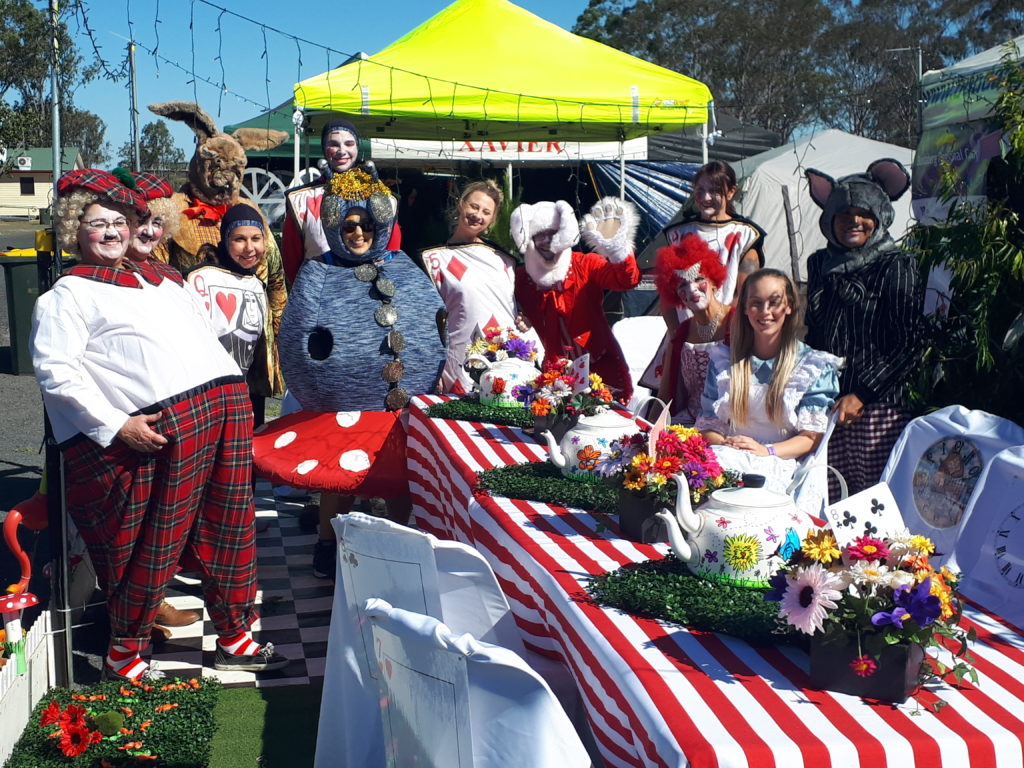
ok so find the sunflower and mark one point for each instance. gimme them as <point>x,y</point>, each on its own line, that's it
<point>742,551</point>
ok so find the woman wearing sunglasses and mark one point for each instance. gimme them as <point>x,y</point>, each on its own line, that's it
<point>359,337</point>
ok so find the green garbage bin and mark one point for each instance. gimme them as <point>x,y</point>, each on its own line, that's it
<point>21,281</point>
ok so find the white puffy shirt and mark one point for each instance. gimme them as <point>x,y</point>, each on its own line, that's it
<point>103,352</point>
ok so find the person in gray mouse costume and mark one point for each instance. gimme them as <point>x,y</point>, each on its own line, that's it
<point>864,303</point>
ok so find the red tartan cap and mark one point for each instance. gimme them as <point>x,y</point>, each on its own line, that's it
<point>103,182</point>
<point>151,186</point>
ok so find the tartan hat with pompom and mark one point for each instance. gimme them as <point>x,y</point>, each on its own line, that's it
<point>105,184</point>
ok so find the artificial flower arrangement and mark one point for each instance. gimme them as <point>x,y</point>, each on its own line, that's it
<point>113,724</point>
<point>876,592</point>
<point>678,450</point>
<point>558,391</point>
<point>498,344</point>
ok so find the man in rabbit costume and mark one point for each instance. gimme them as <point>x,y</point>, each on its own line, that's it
<point>864,300</point>
<point>213,186</point>
<point>561,291</point>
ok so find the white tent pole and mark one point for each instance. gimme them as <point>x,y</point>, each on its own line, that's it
<point>622,169</point>
<point>704,143</point>
<point>508,180</point>
<point>297,122</point>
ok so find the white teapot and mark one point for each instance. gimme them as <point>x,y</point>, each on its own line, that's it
<point>736,536</point>
<point>497,381</point>
<point>586,443</point>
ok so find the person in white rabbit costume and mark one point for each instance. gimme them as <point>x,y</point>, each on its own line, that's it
<point>561,291</point>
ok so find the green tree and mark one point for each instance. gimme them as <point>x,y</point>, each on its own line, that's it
<point>157,152</point>
<point>762,59</point>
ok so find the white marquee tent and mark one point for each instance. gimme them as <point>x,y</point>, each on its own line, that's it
<point>774,192</point>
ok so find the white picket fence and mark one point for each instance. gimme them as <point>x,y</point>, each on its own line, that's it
<point>20,693</point>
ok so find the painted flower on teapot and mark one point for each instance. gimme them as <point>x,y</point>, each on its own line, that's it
<point>585,444</point>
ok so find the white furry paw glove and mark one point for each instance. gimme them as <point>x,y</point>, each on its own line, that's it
<point>609,228</point>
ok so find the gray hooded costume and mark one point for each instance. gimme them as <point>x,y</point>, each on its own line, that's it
<point>864,303</point>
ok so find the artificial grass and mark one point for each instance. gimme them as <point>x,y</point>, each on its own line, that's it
<point>665,589</point>
<point>543,481</point>
<point>266,727</point>
<point>163,723</point>
<point>467,409</point>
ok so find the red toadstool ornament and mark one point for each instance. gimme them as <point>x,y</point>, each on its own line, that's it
<point>17,599</point>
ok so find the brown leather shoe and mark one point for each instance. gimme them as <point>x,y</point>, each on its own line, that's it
<point>169,616</point>
<point>159,635</point>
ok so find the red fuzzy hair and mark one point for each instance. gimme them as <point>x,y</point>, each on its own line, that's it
<point>690,250</point>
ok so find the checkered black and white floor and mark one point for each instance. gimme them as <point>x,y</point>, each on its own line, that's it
<point>294,605</point>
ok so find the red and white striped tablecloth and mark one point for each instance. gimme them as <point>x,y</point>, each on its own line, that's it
<point>660,695</point>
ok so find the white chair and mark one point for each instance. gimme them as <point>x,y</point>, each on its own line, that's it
<point>639,338</point>
<point>417,572</point>
<point>934,468</point>
<point>809,487</point>
<point>451,701</point>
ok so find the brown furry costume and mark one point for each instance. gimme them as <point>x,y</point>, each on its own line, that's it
<point>213,186</point>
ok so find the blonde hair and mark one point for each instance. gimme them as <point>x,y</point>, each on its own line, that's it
<point>167,210</point>
<point>486,186</point>
<point>70,208</point>
<point>742,348</point>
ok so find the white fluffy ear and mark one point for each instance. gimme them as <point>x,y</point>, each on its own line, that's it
<point>519,226</point>
<point>568,228</point>
<point>610,227</point>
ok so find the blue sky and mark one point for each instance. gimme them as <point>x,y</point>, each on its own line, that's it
<point>254,65</point>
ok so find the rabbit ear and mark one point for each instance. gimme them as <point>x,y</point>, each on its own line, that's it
<point>254,139</point>
<point>820,184</point>
<point>891,176</point>
<point>191,114</point>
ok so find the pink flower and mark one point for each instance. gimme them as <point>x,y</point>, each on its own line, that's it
<point>867,548</point>
<point>863,666</point>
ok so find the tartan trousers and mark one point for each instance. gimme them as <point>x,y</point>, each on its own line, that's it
<point>138,513</point>
<point>860,450</point>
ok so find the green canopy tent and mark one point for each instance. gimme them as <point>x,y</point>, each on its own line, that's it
<point>488,70</point>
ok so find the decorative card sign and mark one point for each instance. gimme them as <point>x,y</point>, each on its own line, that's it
<point>871,512</point>
<point>581,369</point>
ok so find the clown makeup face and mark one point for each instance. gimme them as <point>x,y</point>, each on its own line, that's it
<point>767,306</point>
<point>357,233</point>
<point>103,235</point>
<point>695,291</point>
<point>145,237</point>
<point>245,246</point>
<point>853,227</point>
<point>712,201</point>
<point>542,242</point>
<point>341,150</point>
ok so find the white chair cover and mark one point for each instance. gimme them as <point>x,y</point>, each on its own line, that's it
<point>934,488</point>
<point>639,338</point>
<point>414,571</point>
<point>809,487</point>
<point>451,701</point>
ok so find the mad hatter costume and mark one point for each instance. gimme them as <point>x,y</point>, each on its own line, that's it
<point>359,335</point>
<point>864,304</point>
<point>154,426</point>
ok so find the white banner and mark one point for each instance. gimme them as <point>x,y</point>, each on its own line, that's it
<point>509,150</point>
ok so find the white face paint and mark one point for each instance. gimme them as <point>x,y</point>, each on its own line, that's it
<point>695,294</point>
<point>146,237</point>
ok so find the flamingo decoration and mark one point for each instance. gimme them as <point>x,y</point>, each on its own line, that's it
<point>18,598</point>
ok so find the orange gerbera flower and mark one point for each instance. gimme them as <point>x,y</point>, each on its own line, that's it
<point>540,407</point>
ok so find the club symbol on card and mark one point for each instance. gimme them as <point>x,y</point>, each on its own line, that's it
<point>848,520</point>
<point>869,529</point>
<point>876,507</point>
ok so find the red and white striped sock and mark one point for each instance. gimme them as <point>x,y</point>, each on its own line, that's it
<point>239,645</point>
<point>126,661</point>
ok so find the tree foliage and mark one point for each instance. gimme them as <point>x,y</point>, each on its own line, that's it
<point>157,152</point>
<point>794,64</point>
<point>974,356</point>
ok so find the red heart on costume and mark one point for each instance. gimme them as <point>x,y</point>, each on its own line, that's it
<point>227,302</point>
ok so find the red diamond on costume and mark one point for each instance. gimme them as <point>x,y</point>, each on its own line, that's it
<point>457,268</point>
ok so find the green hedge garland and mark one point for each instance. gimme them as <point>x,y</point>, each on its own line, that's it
<point>179,731</point>
<point>544,482</point>
<point>666,590</point>
<point>472,410</point>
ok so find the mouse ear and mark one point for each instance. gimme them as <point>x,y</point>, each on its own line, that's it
<point>820,185</point>
<point>891,176</point>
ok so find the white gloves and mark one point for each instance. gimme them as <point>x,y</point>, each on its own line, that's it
<point>609,228</point>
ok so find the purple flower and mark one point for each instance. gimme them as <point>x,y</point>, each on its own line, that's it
<point>917,603</point>
<point>521,348</point>
<point>696,474</point>
<point>522,392</point>
<point>895,617</point>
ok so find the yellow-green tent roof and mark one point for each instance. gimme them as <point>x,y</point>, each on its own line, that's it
<point>488,69</point>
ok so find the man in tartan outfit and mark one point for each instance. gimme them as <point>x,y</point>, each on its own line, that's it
<point>153,420</point>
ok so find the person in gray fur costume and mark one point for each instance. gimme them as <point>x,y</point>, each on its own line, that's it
<point>359,337</point>
<point>864,300</point>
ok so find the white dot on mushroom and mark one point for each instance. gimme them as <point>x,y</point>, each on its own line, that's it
<point>307,466</point>
<point>286,438</point>
<point>347,418</point>
<point>354,461</point>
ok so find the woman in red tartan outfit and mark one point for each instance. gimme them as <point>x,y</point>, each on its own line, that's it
<point>155,427</point>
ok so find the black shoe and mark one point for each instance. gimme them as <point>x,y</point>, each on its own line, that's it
<point>265,659</point>
<point>309,518</point>
<point>325,558</point>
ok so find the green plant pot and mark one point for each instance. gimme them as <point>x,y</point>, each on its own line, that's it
<point>638,520</point>
<point>898,674</point>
